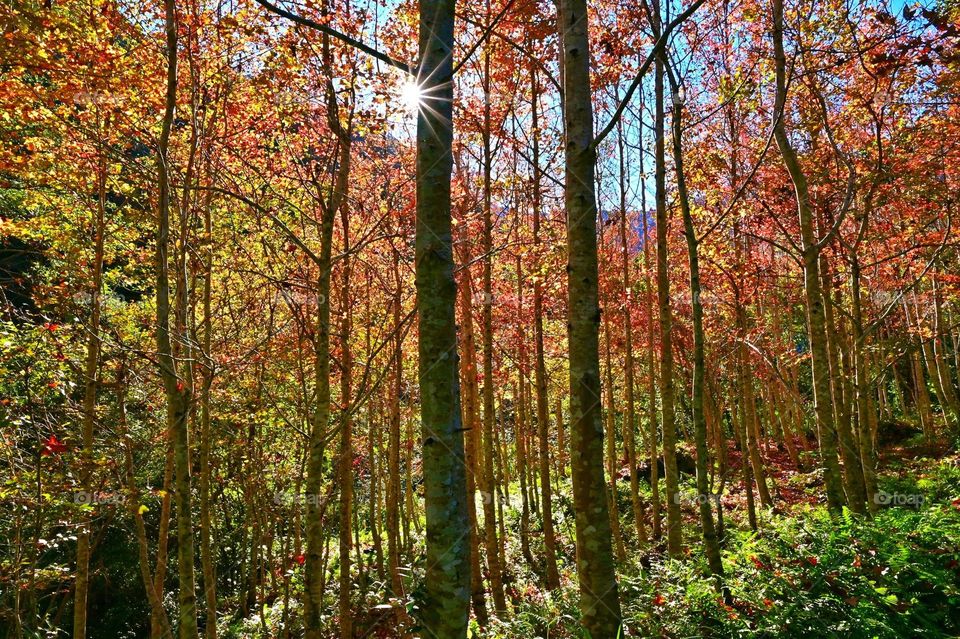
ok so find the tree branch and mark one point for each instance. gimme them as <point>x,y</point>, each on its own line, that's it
<point>486,34</point>
<point>322,28</point>
<point>657,49</point>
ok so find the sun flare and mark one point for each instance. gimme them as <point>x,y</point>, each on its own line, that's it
<point>412,95</point>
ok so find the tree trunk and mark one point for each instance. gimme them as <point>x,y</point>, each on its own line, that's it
<point>811,278</point>
<point>610,437</point>
<point>159,622</point>
<point>599,596</point>
<point>704,497</point>
<point>652,432</point>
<point>178,392</point>
<point>674,521</point>
<point>90,375</point>
<point>207,559</point>
<point>444,468</point>
<point>630,422</point>
<point>519,438</point>
<point>540,368</point>
<point>853,482</point>
<point>163,535</point>
<point>393,443</point>
<point>471,426</point>
<point>345,465</point>
<point>489,408</point>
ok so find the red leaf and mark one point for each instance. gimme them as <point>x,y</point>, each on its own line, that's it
<point>53,446</point>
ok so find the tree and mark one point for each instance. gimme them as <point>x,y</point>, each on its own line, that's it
<point>444,464</point>
<point>599,596</point>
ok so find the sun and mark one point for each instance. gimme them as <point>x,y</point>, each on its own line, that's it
<point>412,95</point>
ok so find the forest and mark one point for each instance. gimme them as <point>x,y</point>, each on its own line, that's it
<point>493,319</point>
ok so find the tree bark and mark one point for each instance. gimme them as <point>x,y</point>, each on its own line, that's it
<point>599,596</point>
<point>345,470</point>
<point>494,565</point>
<point>610,438</point>
<point>630,422</point>
<point>674,521</point>
<point>393,443</point>
<point>444,467</point>
<point>540,368</point>
<point>90,375</point>
<point>471,426</point>
<point>653,430</point>
<point>207,560</point>
<point>178,392</point>
<point>853,482</point>
<point>811,278</point>
<point>704,496</point>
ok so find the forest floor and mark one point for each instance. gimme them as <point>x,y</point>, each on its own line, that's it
<point>803,573</point>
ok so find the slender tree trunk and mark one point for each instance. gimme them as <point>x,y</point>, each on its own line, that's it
<point>374,446</point>
<point>750,418</point>
<point>166,502</point>
<point>950,401</point>
<point>540,368</point>
<point>345,464</point>
<point>610,437</point>
<point>748,406</point>
<point>90,374</point>
<point>853,482</point>
<point>811,275</point>
<point>315,536</point>
<point>314,578</point>
<point>741,435</point>
<point>652,433</point>
<point>162,622</point>
<point>630,423</point>
<point>922,395</point>
<point>471,426</point>
<point>178,392</point>
<point>519,426</point>
<point>525,462</point>
<point>207,559</point>
<point>674,521</point>
<point>393,444</point>
<point>444,467</point>
<point>704,497</point>
<point>866,410</point>
<point>494,565</point>
<point>599,596</point>
<point>561,438</point>
<point>751,422</point>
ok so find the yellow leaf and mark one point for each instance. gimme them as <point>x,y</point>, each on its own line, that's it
<point>143,509</point>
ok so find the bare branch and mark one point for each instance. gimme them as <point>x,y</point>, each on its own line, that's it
<point>656,51</point>
<point>342,37</point>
